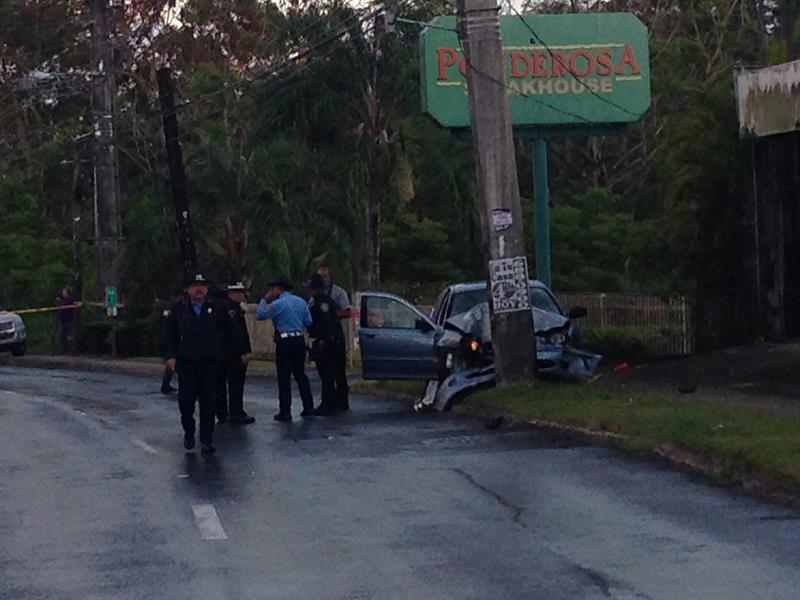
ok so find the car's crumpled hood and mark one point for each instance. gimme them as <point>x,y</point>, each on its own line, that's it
<point>476,322</point>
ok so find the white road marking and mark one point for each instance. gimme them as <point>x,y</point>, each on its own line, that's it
<point>205,515</point>
<point>145,446</point>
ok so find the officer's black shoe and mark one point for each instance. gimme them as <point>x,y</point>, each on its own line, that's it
<point>243,420</point>
<point>207,449</point>
<point>325,411</point>
<point>168,389</point>
<point>308,412</point>
<point>188,441</point>
<point>283,418</point>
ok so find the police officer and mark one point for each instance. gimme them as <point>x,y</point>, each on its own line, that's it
<point>325,333</point>
<point>343,311</point>
<point>196,333</point>
<point>166,379</point>
<point>230,383</point>
<point>290,316</point>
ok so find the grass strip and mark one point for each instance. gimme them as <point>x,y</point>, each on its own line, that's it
<point>741,442</point>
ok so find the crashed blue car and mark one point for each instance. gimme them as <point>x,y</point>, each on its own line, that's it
<point>451,348</point>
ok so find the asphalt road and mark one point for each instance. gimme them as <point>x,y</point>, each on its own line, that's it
<point>99,500</point>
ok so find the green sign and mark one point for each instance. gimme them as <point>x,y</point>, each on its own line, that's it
<point>111,297</point>
<point>585,70</point>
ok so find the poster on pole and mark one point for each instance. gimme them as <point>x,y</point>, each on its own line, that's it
<point>509,283</point>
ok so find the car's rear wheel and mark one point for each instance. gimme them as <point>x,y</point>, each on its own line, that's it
<point>19,349</point>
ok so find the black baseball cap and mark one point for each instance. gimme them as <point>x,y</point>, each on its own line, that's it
<point>196,277</point>
<point>316,282</point>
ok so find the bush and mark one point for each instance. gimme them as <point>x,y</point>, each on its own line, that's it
<point>627,343</point>
<point>134,338</point>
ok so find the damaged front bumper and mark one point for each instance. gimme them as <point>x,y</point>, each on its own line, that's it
<point>554,362</point>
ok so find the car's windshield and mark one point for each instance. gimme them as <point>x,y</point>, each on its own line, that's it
<point>464,301</point>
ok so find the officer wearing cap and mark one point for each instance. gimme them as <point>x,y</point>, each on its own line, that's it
<point>233,370</point>
<point>290,316</point>
<point>324,332</point>
<point>195,335</point>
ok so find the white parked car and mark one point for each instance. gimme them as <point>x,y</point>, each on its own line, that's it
<point>12,333</point>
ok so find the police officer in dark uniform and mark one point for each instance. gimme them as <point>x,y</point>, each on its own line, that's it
<point>230,393</point>
<point>195,336</point>
<point>344,311</point>
<point>166,379</point>
<point>324,333</point>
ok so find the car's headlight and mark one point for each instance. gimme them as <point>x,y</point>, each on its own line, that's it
<point>555,339</point>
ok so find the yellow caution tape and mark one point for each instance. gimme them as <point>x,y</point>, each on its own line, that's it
<point>30,311</point>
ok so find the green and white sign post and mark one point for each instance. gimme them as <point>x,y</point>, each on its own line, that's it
<point>566,75</point>
<point>111,302</point>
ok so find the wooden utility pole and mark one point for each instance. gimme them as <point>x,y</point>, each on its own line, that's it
<point>107,222</point>
<point>177,172</point>
<point>81,181</point>
<point>513,340</point>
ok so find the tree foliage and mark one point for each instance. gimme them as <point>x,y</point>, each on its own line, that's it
<point>299,122</point>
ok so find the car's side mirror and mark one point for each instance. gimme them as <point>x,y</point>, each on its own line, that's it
<point>422,325</point>
<point>577,312</point>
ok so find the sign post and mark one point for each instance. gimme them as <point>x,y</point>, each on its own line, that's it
<point>541,201</point>
<point>565,75</point>
<point>111,301</point>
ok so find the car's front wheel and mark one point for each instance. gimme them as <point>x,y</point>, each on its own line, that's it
<point>19,349</point>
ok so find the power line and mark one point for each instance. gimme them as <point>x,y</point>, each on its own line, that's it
<point>290,58</point>
<point>279,81</point>
<point>538,38</point>
<point>520,94</point>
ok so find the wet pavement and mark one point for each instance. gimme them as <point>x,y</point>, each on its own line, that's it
<point>99,500</point>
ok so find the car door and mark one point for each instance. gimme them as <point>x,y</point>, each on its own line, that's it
<point>396,338</point>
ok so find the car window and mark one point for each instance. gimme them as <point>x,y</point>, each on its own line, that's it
<point>464,301</point>
<point>437,306</point>
<point>543,300</point>
<point>388,313</point>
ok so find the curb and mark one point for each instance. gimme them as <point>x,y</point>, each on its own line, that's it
<point>711,470</point>
<point>80,363</point>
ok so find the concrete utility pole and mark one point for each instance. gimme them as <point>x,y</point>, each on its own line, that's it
<point>107,221</point>
<point>177,173</point>
<point>513,340</point>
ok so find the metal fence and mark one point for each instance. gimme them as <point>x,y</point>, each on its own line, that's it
<point>663,325</point>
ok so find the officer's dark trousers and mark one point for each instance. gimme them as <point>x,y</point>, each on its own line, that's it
<point>290,359</point>
<point>325,357</point>
<point>340,375</point>
<point>230,388</point>
<point>197,382</point>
